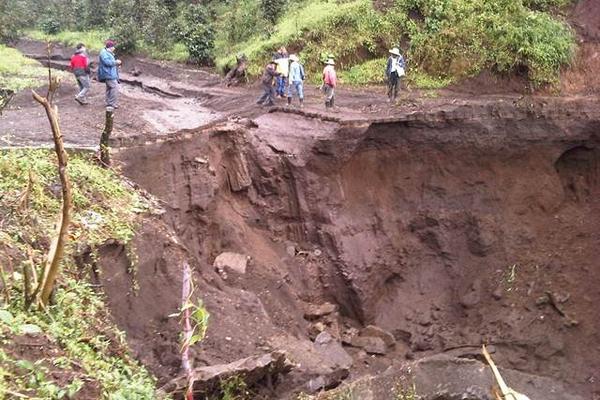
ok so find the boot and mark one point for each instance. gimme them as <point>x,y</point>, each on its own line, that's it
<point>289,101</point>
<point>327,105</point>
<point>301,103</point>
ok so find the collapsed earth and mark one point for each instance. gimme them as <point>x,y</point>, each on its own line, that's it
<point>365,248</point>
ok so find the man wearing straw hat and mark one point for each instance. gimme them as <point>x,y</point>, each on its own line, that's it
<point>393,72</point>
<point>329,83</point>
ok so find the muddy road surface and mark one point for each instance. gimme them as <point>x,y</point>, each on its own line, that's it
<point>379,244</point>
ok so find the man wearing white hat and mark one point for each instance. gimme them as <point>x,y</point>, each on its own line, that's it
<point>393,72</point>
<point>329,83</point>
<point>296,80</point>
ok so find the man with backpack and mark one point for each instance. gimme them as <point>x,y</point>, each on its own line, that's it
<point>80,66</point>
<point>394,70</point>
<point>296,78</point>
<point>109,74</point>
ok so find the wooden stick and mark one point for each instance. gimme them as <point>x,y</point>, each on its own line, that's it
<point>507,393</point>
<point>104,148</point>
<point>58,244</point>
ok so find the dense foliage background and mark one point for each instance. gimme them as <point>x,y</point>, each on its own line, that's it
<point>444,40</point>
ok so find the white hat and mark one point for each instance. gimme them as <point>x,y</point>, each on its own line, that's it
<point>330,62</point>
<point>294,57</point>
<point>395,51</point>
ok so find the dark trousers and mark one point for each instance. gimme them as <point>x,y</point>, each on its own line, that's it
<point>268,94</point>
<point>393,83</point>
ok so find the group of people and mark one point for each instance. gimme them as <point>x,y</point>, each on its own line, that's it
<point>108,73</point>
<point>283,76</point>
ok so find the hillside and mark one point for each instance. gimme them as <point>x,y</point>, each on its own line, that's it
<point>444,41</point>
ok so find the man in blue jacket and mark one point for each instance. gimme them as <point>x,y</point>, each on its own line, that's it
<point>296,80</point>
<point>393,72</point>
<point>109,74</point>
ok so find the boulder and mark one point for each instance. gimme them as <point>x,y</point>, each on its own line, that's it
<point>330,349</point>
<point>207,380</point>
<point>228,262</point>
<point>370,344</point>
<point>375,331</point>
<point>316,311</point>
<point>448,378</point>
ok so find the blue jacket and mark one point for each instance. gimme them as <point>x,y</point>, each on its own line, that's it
<point>107,66</point>
<point>388,68</point>
<point>296,72</point>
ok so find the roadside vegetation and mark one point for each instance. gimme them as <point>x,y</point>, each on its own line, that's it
<point>443,40</point>
<point>18,72</point>
<point>79,350</point>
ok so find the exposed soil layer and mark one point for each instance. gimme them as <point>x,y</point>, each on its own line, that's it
<point>448,229</point>
<point>449,222</point>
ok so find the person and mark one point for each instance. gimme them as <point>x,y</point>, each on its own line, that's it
<point>238,73</point>
<point>329,83</point>
<point>267,84</point>
<point>394,70</point>
<point>283,65</point>
<point>296,80</point>
<point>109,74</point>
<point>80,66</point>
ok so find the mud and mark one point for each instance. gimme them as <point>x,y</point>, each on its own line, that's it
<point>448,229</point>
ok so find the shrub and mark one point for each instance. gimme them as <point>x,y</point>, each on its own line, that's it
<point>272,9</point>
<point>197,33</point>
<point>50,25</point>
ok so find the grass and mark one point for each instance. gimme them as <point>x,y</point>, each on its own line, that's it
<point>18,72</point>
<point>78,325</point>
<point>449,40</point>
<point>94,40</point>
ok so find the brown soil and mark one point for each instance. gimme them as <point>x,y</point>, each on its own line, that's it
<point>449,221</point>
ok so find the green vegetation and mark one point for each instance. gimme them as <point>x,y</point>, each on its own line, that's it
<point>81,342</point>
<point>18,72</point>
<point>443,40</point>
<point>449,40</point>
<point>93,39</point>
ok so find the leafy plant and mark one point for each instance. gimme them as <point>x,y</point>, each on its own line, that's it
<point>197,33</point>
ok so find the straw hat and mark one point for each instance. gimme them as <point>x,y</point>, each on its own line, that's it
<point>395,51</point>
<point>294,57</point>
<point>330,62</point>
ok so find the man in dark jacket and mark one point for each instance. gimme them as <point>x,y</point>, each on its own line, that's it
<point>267,84</point>
<point>109,74</point>
<point>80,66</point>
<point>393,72</point>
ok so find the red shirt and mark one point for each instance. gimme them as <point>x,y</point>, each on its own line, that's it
<point>79,61</point>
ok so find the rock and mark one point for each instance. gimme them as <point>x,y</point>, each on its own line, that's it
<point>370,344</point>
<point>375,331</point>
<point>323,338</point>
<point>316,311</point>
<point>498,293</point>
<point>442,377</point>
<point>233,261</point>
<point>290,250</point>
<point>315,329</point>
<point>473,296</point>
<point>325,382</point>
<point>332,350</point>
<point>348,335</point>
<point>207,380</point>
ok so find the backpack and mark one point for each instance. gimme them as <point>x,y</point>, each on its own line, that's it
<point>302,76</point>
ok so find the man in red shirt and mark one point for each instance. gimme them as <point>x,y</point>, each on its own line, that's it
<point>80,66</point>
